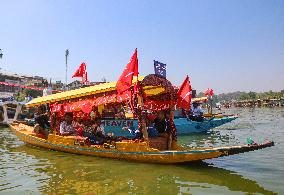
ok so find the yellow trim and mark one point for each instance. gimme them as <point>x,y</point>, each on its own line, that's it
<point>201,99</point>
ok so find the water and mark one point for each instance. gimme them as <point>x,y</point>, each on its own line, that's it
<point>29,170</point>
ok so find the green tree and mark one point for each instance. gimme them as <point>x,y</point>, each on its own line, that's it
<point>252,95</point>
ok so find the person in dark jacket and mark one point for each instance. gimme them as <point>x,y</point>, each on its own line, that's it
<point>160,124</point>
<point>41,122</point>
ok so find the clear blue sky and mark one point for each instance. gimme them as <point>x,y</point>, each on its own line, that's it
<point>224,45</point>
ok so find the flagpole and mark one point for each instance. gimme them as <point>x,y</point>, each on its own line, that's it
<point>66,61</point>
<point>1,55</point>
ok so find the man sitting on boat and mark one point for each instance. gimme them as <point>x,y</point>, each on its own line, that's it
<point>95,113</point>
<point>67,126</point>
<point>94,131</point>
<point>196,112</point>
<point>41,122</point>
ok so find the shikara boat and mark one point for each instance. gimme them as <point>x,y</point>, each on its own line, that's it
<point>157,94</point>
<point>129,150</point>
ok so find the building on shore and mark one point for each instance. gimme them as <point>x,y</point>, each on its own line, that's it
<point>8,79</point>
<point>78,84</point>
<point>18,79</point>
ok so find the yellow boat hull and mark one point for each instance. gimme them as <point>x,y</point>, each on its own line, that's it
<point>131,151</point>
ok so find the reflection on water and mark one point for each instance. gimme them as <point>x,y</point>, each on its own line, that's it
<point>66,173</point>
<point>30,169</point>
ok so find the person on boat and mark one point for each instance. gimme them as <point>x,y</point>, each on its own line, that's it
<point>120,113</point>
<point>42,124</point>
<point>160,124</point>
<point>78,126</point>
<point>94,131</point>
<point>67,126</point>
<point>152,132</point>
<point>196,112</point>
<point>95,113</point>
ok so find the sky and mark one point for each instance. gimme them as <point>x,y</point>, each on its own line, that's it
<point>235,45</point>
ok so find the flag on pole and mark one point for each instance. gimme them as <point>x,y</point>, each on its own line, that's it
<point>81,71</point>
<point>184,94</point>
<point>125,80</point>
<point>209,92</point>
<point>160,69</point>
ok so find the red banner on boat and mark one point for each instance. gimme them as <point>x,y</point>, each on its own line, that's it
<point>84,105</point>
<point>105,99</point>
<point>67,107</point>
<point>124,96</point>
<point>157,105</point>
<point>55,108</point>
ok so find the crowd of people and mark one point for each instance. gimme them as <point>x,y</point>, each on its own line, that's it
<point>195,113</point>
<point>157,124</point>
<point>90,128</point>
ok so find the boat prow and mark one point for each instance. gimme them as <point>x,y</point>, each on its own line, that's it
<point>129,150</point>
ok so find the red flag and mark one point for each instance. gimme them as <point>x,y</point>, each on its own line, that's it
<point>81,71</point>
<point>209,92</point>
<point>206,92</point>
<point>125,80</point>
<point>184,95</point>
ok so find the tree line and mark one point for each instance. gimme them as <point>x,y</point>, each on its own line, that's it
<point>238,95</point>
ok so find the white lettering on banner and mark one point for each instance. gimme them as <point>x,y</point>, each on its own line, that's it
<point>117,123</point>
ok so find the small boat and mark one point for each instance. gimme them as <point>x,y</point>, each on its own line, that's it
<point>129,150</point>
<point>184,126</point>
<point>9,112</point>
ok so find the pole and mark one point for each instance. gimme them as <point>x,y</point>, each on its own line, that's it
<point>1,55</point>
<point>66,61</point>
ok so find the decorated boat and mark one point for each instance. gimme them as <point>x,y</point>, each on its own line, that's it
<point>142,98</point>
<point>128,149</point>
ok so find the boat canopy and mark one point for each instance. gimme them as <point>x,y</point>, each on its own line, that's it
<point>200,99</point>
<point>104,88</point>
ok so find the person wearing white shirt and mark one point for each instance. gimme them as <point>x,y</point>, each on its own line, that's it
<point>196,113</point>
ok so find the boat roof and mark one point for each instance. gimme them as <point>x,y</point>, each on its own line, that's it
<point>76,93</point>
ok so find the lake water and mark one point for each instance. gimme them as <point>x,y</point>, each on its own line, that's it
<point>29,170</point>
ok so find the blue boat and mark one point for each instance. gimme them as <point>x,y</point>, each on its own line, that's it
<point>184,125</point>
